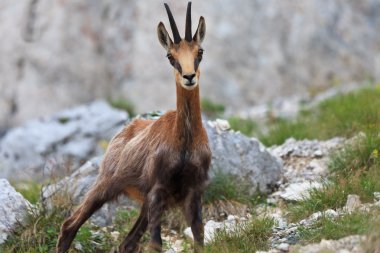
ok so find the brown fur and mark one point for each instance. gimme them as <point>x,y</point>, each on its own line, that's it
<point>161,164</point>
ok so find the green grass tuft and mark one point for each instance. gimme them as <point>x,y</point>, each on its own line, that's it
<point>245,238</point>
<point>40,231</point>
<point>245,126</point>
<point>227,187</point>
<point>333,229</point>
<point>29,190</point>
<point>123,104</point>
<point>343,115</point>
<point>212,109</point>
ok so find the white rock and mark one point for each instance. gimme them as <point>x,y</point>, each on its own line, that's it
<point>376,196</point>
<point>353,202</point>
<point>299,191</point>
<point>211,227</point>
<point>283,246</point>
<point>13,208</point>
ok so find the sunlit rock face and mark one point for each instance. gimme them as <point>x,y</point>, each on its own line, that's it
<point>60,53</point>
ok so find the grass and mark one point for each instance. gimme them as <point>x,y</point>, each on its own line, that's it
<point>30,190</point>
<point>333,229</point>
<point>355,170</point>
<point>245,126</point>
<point>123,104</point>
<point>245,238</point>
<point>227,187</point>
<point>40,231</point>
<point>211,109</point>
<point>343,115</point>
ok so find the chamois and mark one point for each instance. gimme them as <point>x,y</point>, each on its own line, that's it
<point>160,163</point>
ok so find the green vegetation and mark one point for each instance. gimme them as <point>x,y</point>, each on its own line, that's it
<point>355,170</point>
<point>40,232</point>
<point>30,190</point>
<point>211,109</point>
<point>246,238</point>
<point>245,126</point>
<point>226,187</point>
<point>333,229</point>
<point>123,104</point>
<point>342,115</point>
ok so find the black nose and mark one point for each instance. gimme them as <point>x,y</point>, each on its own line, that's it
<point>189,77</point>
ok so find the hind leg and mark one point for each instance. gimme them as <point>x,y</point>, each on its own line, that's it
<point>103,191</point>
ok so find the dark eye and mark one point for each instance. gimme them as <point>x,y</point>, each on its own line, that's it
<point>171,59</point>
<point>200,53</point>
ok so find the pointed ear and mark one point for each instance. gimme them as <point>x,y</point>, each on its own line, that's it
<point>163,36</point>
<point>201,31</point>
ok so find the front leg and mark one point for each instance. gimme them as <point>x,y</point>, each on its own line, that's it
<point>157,203</point>
<point>193,213</point>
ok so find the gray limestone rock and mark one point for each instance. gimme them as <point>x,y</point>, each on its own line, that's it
<point>13,208</point>
<point>44,147</point>
<point>243,157</point>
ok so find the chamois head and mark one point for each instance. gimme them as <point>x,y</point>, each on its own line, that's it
<point>183,54</point>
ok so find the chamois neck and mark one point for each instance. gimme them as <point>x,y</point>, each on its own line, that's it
<point>189,120</point>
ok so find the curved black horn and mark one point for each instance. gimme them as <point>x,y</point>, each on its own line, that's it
<point>176,36</point>
<point>188,33</point>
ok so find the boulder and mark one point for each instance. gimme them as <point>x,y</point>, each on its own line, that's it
<point>243,157</point>
<point>43,147</point>
<point>13,208</point>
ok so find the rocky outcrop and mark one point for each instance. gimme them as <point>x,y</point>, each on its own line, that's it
<point>59,53</point>
<point>56,144</point>
<point>13,208</point>
<point>305,166</point>
<point>245,158</point>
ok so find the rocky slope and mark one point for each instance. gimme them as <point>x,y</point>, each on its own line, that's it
<point>60,53</point>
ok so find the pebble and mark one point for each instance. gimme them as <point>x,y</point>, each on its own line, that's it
<point>283,246</point>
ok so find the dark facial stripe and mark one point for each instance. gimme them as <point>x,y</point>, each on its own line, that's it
<point>178,67</point>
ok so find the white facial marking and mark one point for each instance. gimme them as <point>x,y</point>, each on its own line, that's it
<point>185,81</point>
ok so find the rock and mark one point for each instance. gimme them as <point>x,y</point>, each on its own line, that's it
<point>211,228</point>
<point>353,203</point>
<point>97,53</point>
<point>347,244</point>
<point>329,213</point>
<point>376,196</point>
<point>299,191</point>
<point>305,148</point>
<point>43,147</point>
<point>243,157</point>
<point>13,208</point>
<point>283,246</point>
<point>78,184</point>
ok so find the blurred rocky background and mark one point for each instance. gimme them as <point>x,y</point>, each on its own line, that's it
<point>61,53</point>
